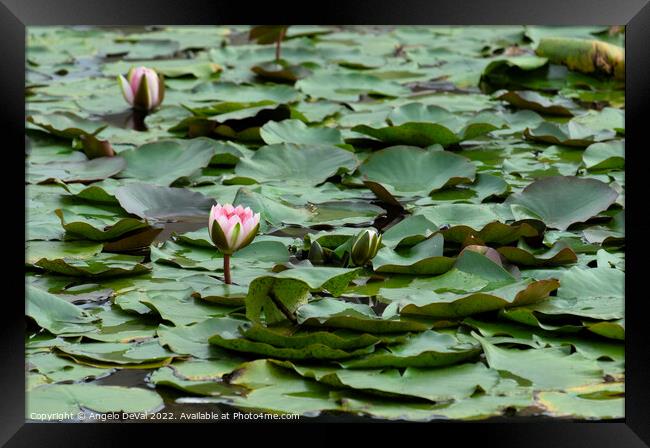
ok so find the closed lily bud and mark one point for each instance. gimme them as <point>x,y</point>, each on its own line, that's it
<point>316,255</point>
<point>232,228</point>
<point>364,246</point>
<point>490,253</point>
<point>143,88</point>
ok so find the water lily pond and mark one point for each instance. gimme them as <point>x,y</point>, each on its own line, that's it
<point>440,231</point>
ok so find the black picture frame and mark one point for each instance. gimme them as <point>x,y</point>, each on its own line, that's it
<point>15,15</point>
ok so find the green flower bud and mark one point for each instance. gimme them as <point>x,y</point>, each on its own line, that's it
<point>364,247</point>
<point>316,255</point>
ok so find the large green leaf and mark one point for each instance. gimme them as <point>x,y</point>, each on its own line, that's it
<point>560,201</point>
<point>339,314</point>
<point>409,171</point>
<point>287,163</point>
<point>73,399</point>
<point>165,161</point>
<point>451,305</point>
<point>295,131</point>
<point>419,125</point>
<point>347,86</point>
<point>426,349</point>
<point>544,369</point>
<point>423,258</point>
<point>85,171</point>
<point>437,385</point>
<point>55,314</point>
<point>280,295</point>
<point>230,335</point>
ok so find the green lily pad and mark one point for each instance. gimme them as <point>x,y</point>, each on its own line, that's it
<point>451,305</point>
<point>605,156</point>
<point>72,399</point>
<point>419,125</point>
<point>409,171</point>
<point>437,385</point>
<point>295,131</point>
<point>232,337</point>
<point>423,258</point>
<point>55,314</point>
<point>347,86</point>
<point>534,101</point>
<point>544,369</point>
<point>280,295</point>
<point>86,171</point>
<point>426,349</point>
<point>165,161</point>
<point>304,164</point>
<point>553,200</point>
<point>339,314</point>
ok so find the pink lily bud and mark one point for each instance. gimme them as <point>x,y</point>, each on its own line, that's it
<point>232,228</point>
<point>143,88</point>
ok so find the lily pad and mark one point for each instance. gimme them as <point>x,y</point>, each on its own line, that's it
<point>426,349</point>
<point>423,258</point>
<point>165,161</point>
<point>560,201</point>
<point>409,171</point>
<point>450,305</point>
<point>284,163</point>
<point>419,125</point>
<point>295,131</point>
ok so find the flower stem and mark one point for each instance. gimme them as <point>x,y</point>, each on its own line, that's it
<point>278,43</point>
<point>226,269</point>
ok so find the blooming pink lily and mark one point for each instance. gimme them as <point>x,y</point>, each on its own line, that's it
<point>143,88</point>
<point>232,228</point>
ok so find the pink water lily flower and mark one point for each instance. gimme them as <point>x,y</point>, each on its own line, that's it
<point>143,88</point>
<point>232,228</point>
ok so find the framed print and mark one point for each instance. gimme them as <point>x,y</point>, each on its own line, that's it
<point>404,213</point>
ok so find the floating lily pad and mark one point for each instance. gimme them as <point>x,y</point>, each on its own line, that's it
<point>165,161</point>
<point>412,171</point>
<point>451,305</point>
<point>55,314</point>
<point>437,385</point>
<point>231,336</point>
<point>295,131</point>
<point>426,349</point>
<point>340,314</point>
<point>280,295</point>
<point>423,258</point>
<point>72,399</point>
<point>310,165</point>
<point>419,125</point>
<point>86,171</point>
<point>348,86</point>
<point>539,103</point>
<point>553,200</point>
